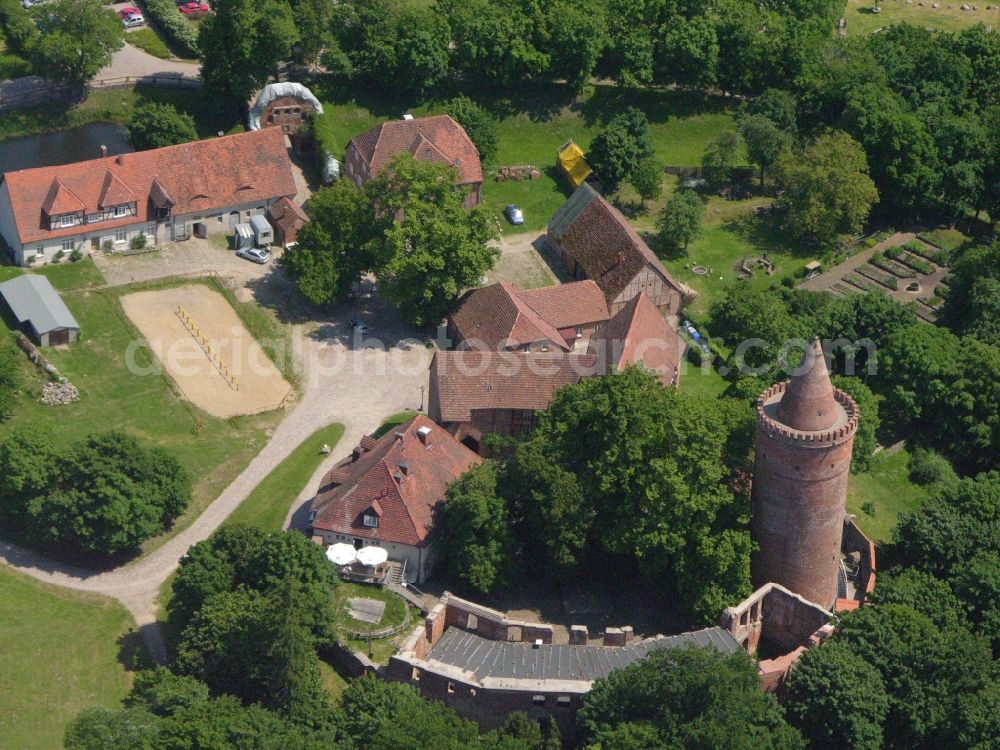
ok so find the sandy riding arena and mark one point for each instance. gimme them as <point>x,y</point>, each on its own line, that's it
<point>200,341</point>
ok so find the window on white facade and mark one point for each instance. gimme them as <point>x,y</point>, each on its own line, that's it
<point>67,221</point>
<point>39,252</point>
<point>67,245</point>
<point>121,211</point>
<point>121,235</point>
<point>370,521</point>
<point>150,229</point>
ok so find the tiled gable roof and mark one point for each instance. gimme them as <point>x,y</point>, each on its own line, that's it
<point>464,381</point>
<point>287,215</point>
<point>448,141</point>
<point>639,334</point>
<point>495,317</point>
<point>61,200</point>
<point>601,240</point>
<point>403,475</point>
<point>501,316</point>
<point>114,192</point>
<point>199,176</point>
<point>568,305</point>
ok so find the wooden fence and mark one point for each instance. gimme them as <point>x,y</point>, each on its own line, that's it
<point>33,91</point>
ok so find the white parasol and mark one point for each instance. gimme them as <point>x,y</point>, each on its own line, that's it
<point>341,554</point>
<point>372,556</point>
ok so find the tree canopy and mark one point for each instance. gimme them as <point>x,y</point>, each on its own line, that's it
<point>679,223</point>
<point>78,38</point>
<point>684,698</point>
<point>157,125</point>
<point>105,495</point>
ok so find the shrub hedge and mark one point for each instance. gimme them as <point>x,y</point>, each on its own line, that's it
<point>179,31</point>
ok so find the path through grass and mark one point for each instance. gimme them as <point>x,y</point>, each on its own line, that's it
<point>267,506</point>
<point>116,395</point>
<point>59,655</point>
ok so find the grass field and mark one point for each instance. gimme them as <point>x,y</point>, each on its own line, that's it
<point>947,17</point>
<point>531,125</point>
<point>333,681</point>
<point>394,421</point>
<point>114,106</point>
<point>60,655</point>
<point>214,451</point>
<point>148,41</point>
<point>886,485</point>
<point>268,504</point>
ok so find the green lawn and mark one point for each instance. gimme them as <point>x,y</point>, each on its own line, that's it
<point>148,41</point>
<point>67,276</point>
<point>268,504</point>
<point>947,17</point>
<point>333,681</point>
<point>60,655</point>
<point>534,122</point>
<point>945,238</point>
<point>114,106</point>
<point>214,451</point>
<point>395,612</point>
<point>887,486</point>
<point>394,421</point>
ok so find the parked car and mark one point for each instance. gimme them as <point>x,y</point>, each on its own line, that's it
<point>127,12</point>
<point>514,214</point>
<point>134,20</point>
<point>256,254</point>
<point>193,7</point>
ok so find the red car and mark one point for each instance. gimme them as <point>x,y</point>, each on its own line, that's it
<point>129,11</point>
<point>193,7</point>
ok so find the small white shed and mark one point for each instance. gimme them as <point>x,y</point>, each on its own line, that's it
<point>244,238</point>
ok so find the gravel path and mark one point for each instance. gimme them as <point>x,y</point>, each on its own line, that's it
<point>132,62</point>
<point>342,382</point>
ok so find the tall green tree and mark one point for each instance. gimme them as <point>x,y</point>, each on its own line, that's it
<point>828,190</point>
<point>435,248</point>
<point>721,155</point>
<point>156,125</point>
<point>336,247</point>
<point>836,699</point>
<point>865,441</point>
<point>474,531</point>
<point>479,125</point>
<point>684,698</point>
<point>617,151</point>
<point>765,142</point>
<point>679,223</point>
<point>241,44</point>
<point>78,38</point>
<point>647,179</point>
<point>109,495</point>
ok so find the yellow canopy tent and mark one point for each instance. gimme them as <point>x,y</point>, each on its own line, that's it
<point>574,164</point>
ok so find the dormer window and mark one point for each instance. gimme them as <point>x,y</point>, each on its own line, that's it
<point>67,220</point>
<point>371,521</point>
<point>121,211</point>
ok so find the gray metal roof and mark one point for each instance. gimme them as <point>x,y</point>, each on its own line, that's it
<point>502,659</point>
<point>259,223</point>
<point>32,299</point>
<point>569,210</point>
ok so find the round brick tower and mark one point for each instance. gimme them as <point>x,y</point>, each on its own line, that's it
<point>805,433</point>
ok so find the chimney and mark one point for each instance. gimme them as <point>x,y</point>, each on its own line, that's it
<point>424,433</point>
<point>104,150</point>
<point>621,259</point>
<point>120,159</point>
<point>404,466</point>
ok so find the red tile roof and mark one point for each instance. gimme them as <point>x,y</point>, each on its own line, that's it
<point>496,317</point>
<point>288,216</point>
<point>198,176</point>
<point>638,333</point>
<point>439,139</point>
<point>578,303</point>
<point>463,381</point>
<point>501,316</point>
<point>603,242</point>
<point>405,477</point>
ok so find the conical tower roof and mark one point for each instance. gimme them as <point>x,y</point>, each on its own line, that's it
<point>808,403</point>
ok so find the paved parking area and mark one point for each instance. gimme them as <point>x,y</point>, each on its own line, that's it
<point>192,256</point>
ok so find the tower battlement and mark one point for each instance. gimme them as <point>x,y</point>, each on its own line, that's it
<point>767,419</point>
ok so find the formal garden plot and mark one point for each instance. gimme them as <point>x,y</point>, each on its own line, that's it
<point>204,347</point>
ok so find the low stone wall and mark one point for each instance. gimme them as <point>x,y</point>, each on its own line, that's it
<point>354,663</point>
